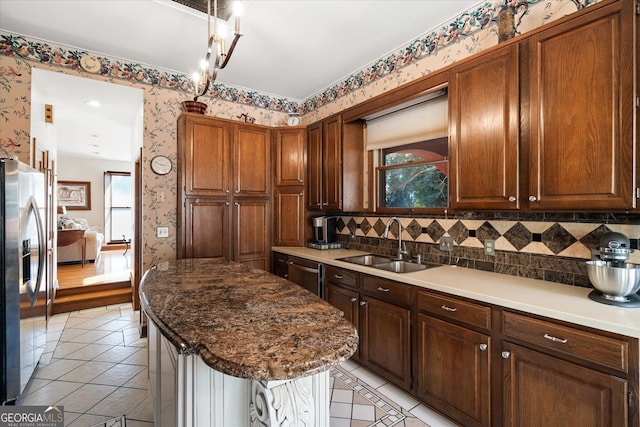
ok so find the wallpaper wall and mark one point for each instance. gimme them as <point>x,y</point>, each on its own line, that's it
<point>464,35</point>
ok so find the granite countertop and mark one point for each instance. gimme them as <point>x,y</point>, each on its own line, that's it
<point>552,300</point>
<point>245,322</point>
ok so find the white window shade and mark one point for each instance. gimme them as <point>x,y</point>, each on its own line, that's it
<point>420,122</point>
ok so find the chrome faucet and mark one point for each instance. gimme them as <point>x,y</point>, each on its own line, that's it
<point>402,251</point>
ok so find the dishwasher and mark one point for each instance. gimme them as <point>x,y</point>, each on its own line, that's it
<point>308,274</point>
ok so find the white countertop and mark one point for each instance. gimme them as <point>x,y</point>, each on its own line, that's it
<point>553,300</point>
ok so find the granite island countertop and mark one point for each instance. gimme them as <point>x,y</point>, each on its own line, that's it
<point>245,322</point>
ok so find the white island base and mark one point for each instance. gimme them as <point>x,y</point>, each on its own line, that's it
<point>186,392</point>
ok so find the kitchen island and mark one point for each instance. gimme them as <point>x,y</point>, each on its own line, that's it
<point>234,346</point>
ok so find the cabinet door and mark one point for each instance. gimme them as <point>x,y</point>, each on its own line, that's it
<point>252,161</point>
<point>314,167</point>
<point>206,231</point>
<point>540,390</point>
<point>251,236</point>
<point>385,340</point>
<point>453,370</point>
<point>289,212</point>
<point>332,164</point>
<point>484,129</point>
<point>290,157</point>
<point>204,146</point>
<point>582,111</point>
<point>345,300</point>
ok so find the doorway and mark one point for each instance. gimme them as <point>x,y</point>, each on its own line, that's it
<point>96,127</point>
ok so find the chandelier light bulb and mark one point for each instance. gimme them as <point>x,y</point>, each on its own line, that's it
<point>237,8</point>
<point>222,31</point>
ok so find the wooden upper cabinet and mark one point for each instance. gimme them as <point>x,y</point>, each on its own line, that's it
<point>204,146</point>
<point>484,131</point>
<point>314,167</point>
<point>290,156</point>
<point>582,112</point>
<point>252,161</point>
<point>332,164</point>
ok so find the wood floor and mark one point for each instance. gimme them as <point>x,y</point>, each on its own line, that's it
<point>105,282</point>
<point>111,266</point>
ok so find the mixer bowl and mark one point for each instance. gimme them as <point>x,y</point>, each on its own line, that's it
<point>614,282</point>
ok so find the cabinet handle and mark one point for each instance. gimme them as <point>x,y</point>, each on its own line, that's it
<point>483,347</point>
<point>363,302</point>
<point>281,260</point>
<point>338,276</point>
<point>532,198</point>
<point>325,204</point>
<point>301,194</point>
<point>381,289</point>
<point>291,262</point>
<point>226,203</point>
<point>227,191</point>
<point>354,299</point>
<point>554,339</point>
<point>286,276</point>
<point>300,180</point>
<point>512,199</point>
<point>505,354</point>
<point>444,307</point>
<point>236,203</point>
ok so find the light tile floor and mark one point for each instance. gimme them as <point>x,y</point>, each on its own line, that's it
<point>96,366</point>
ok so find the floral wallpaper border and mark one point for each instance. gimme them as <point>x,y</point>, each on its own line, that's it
<point>463,26</point>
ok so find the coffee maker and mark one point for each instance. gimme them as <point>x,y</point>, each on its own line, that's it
<point>324,232</point>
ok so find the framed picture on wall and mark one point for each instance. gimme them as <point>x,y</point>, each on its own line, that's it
<point>74,195</point>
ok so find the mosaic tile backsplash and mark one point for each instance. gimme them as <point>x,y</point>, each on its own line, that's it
<point>551,247</point>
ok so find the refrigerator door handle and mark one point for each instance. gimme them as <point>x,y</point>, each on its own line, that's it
<point>32,209</point>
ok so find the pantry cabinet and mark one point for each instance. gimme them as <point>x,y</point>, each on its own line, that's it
<point>581,96</point>
<point>484,131</point>
<point>224,190</point>
<point>336,165</point>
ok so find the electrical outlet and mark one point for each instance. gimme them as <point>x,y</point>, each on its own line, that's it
<point>162,232</point>
<point>446,244</point>
<point>490,247</point>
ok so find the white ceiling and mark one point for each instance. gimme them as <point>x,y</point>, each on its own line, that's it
<point>290,48</point>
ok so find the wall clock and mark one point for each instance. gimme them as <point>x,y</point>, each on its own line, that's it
<point>161,165</point>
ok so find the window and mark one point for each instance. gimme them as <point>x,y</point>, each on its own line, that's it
<point>118,201</point>
<point>414,176</point>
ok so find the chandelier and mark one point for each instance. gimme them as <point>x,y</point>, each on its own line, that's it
<point>216,57</point>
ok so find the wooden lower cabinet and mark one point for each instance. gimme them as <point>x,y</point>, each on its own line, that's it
<point>385,339</point>
<point>345,300</point>
<point>541,390</point>
<point>453,370</point>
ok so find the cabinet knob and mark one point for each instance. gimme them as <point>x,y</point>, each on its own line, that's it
<point>291,262</point>
<point>286,276</point>
<point>237,191</point>
<point>505,354</point>
<point>512,199</point>
<point>300,180</point>
<point>532,198</point>
<point>227,191</point>
<point>483,347</point>
<point>226,203</point>
<point>354,299</point>
<point>363,302</point>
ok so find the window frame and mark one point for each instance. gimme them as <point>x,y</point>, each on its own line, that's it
<point>378,177</point>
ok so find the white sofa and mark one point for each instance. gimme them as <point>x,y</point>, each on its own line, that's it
<point>73,253</point>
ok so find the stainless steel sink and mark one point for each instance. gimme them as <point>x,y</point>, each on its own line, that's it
<point>386,263</point>
<point>369,259</point>
<point>400,266</point>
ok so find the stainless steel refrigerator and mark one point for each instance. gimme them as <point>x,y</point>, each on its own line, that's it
<point>22,267</point>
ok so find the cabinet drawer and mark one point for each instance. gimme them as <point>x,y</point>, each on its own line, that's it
<point>387,289</point>
<point>339,276</point>
<point>589,346</point>
<point>455,309</point>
